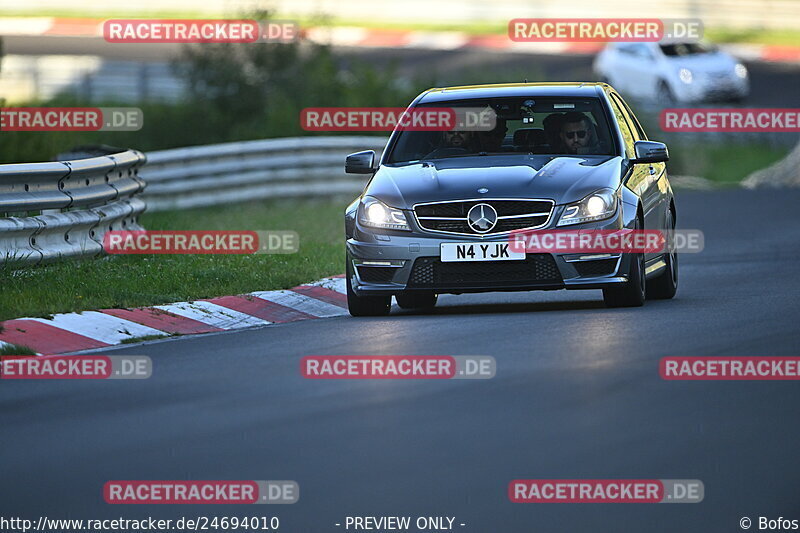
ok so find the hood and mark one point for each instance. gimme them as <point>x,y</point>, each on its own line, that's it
<point>563,179</point>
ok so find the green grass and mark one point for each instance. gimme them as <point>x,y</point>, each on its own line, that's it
<point>784,37</point>
<point>79,13</point>
<point>143,338</point>
<point>16,349</point>
<point>470,28</point>
<point>140,280</point>
<point>724,164</point>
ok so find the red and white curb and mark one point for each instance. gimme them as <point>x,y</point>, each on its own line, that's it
<point>71,332</point>
<point>390,38</point>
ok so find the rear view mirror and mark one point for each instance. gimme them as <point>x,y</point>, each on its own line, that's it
<point>360,162</point>
<point>650,152</point>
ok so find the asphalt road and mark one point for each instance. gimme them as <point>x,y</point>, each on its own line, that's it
<point>577,395</point>
<point>773,84</point>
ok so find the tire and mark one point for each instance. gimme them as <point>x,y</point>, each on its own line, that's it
<point>632,292</point>
<point>666,284</point>
<point>413,300</point>
<point>365,305</point>
<point>664,94</point>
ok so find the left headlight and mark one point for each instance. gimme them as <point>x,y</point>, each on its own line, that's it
<point>599,205</point>
<point>740,70</point>
<point>374,213</point>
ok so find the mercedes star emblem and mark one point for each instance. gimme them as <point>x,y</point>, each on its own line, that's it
<point>482,218</point>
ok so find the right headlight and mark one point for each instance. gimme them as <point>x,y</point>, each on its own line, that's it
<point>599,205</point>
<point>374,213</point>
<point>686,75</point>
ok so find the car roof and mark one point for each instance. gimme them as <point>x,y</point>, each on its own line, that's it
<point>569,90</point>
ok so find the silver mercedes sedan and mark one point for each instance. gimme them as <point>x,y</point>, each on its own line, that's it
<point>437,212</point>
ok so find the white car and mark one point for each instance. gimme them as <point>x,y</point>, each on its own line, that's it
<point>672,72</point>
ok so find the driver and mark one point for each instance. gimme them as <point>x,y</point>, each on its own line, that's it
<point>577,133</point>
<point>454,142</point>
<point>456,139</point>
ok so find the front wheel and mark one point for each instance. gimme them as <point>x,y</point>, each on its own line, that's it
<point>632,292</point>
<point>365,305</point>
<point>666,284</point>
<point>664,94</point>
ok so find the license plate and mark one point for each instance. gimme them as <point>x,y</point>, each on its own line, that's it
<point>452,252</point>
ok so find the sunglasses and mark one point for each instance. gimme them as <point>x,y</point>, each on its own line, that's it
<point>580,133</point>
<point>451,133</point>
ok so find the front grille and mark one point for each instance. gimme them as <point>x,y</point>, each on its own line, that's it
<point>375,274</point>
<point>451,217</point>
<point>503,207</point>
<point>536,269</point>
<point>599,267</point>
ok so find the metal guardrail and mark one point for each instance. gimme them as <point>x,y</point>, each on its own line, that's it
<point>234,172</point>
<point>63,209</point>
<point>88,78</point>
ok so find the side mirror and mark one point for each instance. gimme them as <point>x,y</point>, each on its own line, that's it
<point>360,162</point>
<point>650,152</point>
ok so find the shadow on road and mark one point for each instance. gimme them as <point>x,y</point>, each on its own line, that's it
<point>498,308</point>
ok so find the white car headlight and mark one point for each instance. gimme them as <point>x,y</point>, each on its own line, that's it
<point>599,205</point>
<point>372,212</point>
<point>740,70</point>
<point>686,75</point>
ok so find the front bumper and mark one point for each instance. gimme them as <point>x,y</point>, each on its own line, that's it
<point>388,263</point>
<point>708,89</point>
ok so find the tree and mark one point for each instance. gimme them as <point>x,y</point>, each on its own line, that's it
<point>254,90</point>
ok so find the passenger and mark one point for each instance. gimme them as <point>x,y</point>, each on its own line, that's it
<point>492,140</point>
<point>552,129</point>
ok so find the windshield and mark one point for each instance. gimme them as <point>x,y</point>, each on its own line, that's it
<point>524,125</point>
<point>687,49</point>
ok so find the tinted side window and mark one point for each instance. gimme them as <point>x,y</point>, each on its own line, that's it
<point>638,131</point>
<point>638,50</point>
<point>626,48</point>
<point>624,127</point>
